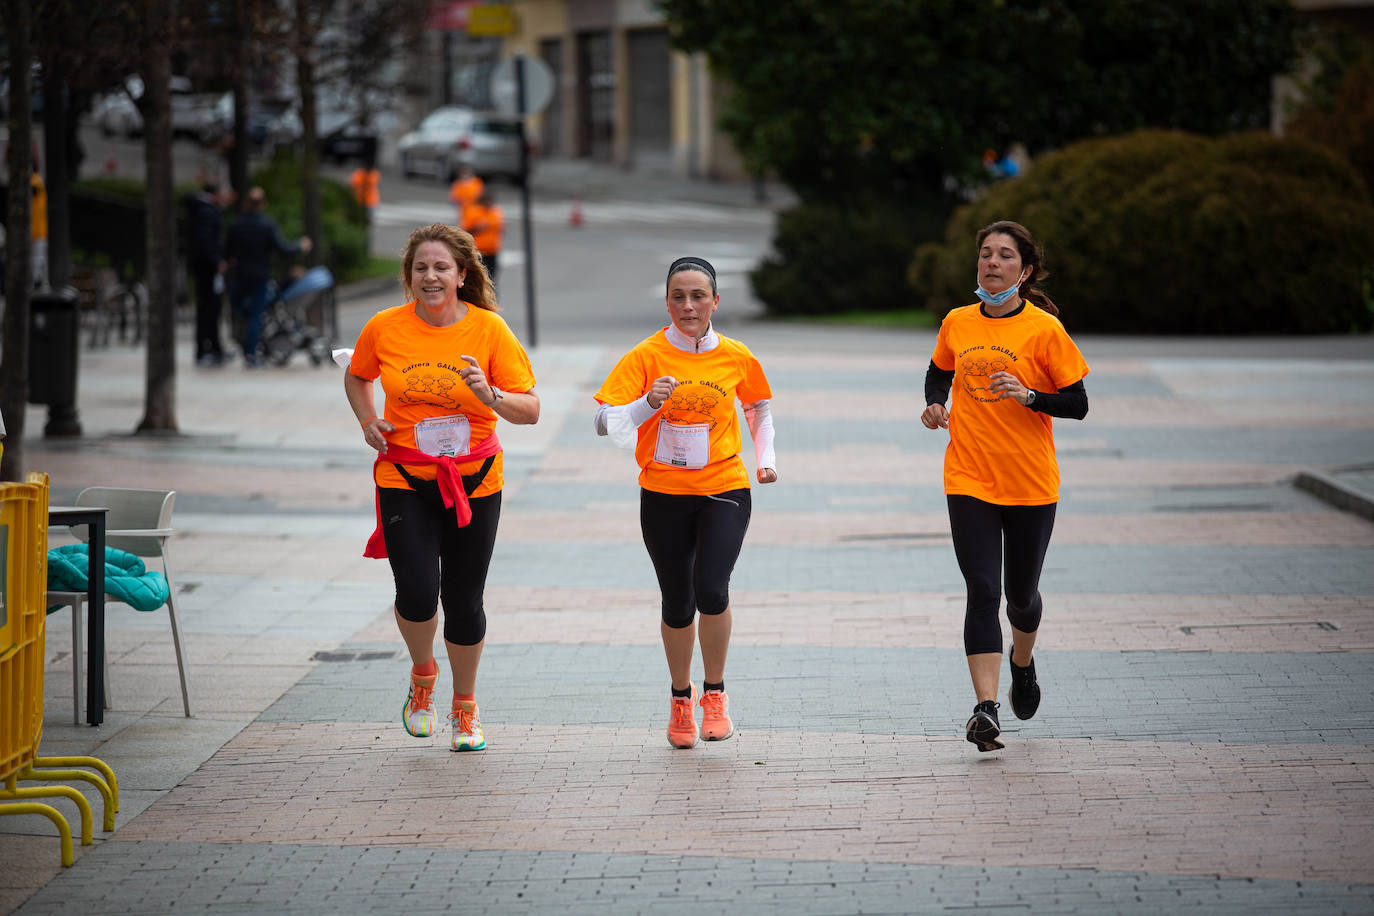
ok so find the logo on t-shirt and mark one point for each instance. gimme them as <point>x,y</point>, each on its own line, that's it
<point>429,389</point>
<point>976,367</point>
<point>690,405</point>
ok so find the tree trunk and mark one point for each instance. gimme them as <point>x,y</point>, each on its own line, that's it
<point>14,370</point>
<point>56,171</point>
<point>240,56</point>
<point>159,402</point>
<point>307,32</point>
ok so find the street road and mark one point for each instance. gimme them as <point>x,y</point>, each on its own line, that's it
<point>604,277</point>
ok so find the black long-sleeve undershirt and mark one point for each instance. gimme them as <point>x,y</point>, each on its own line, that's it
<point>1070,402</point>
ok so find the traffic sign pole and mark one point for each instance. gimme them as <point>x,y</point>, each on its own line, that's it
<point>525,198</point>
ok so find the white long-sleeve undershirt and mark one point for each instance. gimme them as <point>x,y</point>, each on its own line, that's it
<point>621,422</point>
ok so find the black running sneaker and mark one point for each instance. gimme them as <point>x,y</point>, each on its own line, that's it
<point>1024,695</point>
<point>983,728</point>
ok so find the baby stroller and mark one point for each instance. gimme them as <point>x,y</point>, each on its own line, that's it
<point>299,316</point>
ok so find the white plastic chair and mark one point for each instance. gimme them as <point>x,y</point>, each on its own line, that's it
<point>139,522</point>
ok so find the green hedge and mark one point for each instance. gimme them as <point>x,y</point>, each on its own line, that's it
<point>833,257</point>
<point>1160,232</point>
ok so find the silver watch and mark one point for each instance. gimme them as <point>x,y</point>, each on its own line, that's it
<point>1030,396</point>
<point>496,396</point>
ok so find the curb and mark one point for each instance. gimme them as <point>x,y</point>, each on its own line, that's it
<point>1340,495</point>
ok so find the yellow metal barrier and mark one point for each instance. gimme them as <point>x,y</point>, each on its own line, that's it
<point>23,582</point>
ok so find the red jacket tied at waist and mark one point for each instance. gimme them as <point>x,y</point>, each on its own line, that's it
<point>450,482</point>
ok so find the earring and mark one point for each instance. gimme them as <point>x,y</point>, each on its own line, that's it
<point>460,282</point>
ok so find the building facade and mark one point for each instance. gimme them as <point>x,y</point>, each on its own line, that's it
<point>621,95</point>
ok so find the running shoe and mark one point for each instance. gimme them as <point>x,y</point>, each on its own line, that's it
<point>682,722</point>
<point>982,727</point>
<point>467,728</point>
<point>1024,693</point>
<point>715,716</point>
<point>418,715</point>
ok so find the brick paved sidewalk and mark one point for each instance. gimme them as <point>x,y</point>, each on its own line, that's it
<point>1207,657</point>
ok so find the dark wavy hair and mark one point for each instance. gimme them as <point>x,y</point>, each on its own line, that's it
<point>477,288</point>
<point>1031,257</point>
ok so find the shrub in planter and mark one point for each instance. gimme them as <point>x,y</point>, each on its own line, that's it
<point>1160,232</point>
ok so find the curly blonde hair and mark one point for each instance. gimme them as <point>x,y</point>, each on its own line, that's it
<point>477,287</point>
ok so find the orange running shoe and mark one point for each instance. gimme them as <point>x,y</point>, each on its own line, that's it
<point>682,722</point>
<point>715,716</point>
<point>418,715</point>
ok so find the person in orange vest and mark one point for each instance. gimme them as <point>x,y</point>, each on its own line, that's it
<point>464,191</point>
<point>487,224</point>
<point>38,230</point>
<point>366,183</point>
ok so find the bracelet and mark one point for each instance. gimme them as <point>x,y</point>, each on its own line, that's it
<point>367,421</point>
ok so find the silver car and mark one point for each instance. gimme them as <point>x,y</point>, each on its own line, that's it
<point>451,137</point>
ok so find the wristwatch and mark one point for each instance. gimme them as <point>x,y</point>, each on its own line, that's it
<point>1030,396</point>
<point>496,396</point>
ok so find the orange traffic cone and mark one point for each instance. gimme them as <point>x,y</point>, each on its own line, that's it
<point>575,217</point>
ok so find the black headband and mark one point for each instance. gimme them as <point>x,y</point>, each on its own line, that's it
<point>696,263</point>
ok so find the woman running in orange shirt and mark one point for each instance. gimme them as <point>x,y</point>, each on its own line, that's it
<point>1012,367</point>
<point>449,367</point>
<point>672,399</point>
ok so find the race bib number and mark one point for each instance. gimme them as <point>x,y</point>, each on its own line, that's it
<point>439,436</point>
<point>685,446</point>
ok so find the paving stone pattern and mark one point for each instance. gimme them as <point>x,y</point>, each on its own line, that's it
<point>1206,740</point>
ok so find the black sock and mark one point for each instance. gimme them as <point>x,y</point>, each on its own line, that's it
<point>707,685</point>
<point>685,692</point>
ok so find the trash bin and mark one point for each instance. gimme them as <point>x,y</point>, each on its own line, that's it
<point>53,334</point>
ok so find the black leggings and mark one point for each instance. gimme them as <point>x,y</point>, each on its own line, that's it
<point>427,549</point>
<point>694,542</point>
<point>980,529</point>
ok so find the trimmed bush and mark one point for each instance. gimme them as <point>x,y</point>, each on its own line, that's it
<point>1160,232</point>
<point>830,258</point>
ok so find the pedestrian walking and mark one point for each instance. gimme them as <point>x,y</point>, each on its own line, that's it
<point>254,238</point>
<point>1012,367</point>
<point>672,399</point>
<point>38,228</point>
<point>464,191</point>
<point>449,366</point>
<point>204,250</point>
<point>487,224</point>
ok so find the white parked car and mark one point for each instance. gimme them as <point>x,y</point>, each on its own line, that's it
<point>451,137</point>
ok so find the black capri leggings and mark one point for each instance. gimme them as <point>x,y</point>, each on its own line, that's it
<point>431,556</point>
<point>980,530</point>
<point>694,542</point>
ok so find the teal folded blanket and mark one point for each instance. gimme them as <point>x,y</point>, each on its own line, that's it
<point>126,578</point>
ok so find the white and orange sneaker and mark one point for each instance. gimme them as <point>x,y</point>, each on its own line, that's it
<point>467,727</point>
<point>682,722</point>
<point>715,716</point>
<point>418,715</point>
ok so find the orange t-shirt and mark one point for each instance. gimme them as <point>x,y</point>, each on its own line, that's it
<point>464,193</point>
<point>691,446</point>
<point>999,451</point>
<point>418,365</point>
<point>486,225</point>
